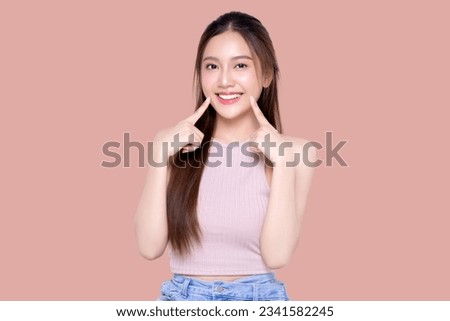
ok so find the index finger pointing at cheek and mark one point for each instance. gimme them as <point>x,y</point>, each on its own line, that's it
<point>258,113</point>
<point>199,112</point>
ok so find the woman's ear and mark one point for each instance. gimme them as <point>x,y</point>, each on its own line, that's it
<point>267,80</point>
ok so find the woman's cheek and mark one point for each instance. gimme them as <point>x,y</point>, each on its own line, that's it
<point>207,85</point>
<point>249,82</point>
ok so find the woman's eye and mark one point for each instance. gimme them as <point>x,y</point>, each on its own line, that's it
<point>240,66</point>
<point>211,66</point>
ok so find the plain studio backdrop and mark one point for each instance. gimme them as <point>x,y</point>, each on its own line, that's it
<point>76,75</point>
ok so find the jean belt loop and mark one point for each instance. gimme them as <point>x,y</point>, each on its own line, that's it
<point>184,287</point>
<point>255,292</point>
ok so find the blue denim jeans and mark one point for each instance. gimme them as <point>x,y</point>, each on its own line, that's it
<point>258,287</point>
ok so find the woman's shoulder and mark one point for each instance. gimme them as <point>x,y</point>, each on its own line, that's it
<point>299,142</point>
<point>303,147</point>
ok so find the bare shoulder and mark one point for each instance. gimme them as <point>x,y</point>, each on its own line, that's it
<point>303,149</point>
<point>297,141</point>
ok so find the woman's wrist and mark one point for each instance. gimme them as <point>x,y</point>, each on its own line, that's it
<point>159,153</point>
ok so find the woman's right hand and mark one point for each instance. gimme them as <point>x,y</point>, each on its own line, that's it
<point>183,136</point>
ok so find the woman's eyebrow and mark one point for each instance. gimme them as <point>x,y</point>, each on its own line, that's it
<point>234,58</point>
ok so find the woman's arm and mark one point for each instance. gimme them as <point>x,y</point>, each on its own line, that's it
<point>150,220</point>
<point>291,180</point>
<point>289,191</point>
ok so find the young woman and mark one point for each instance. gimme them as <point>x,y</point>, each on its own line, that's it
<point>230,196</point>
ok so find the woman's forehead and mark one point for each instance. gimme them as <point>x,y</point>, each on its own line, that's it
<point>227,45</point>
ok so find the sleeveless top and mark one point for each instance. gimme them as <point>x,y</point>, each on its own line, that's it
<point>232,203</point>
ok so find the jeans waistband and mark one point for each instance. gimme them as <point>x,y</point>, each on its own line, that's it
<point>244,286</point>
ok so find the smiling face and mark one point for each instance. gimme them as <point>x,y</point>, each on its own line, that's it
<point>230,74</point>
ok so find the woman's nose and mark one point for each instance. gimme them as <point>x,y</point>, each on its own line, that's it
<point>225,79</point>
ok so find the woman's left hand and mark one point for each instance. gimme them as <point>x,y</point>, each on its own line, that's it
<point>269,141</point>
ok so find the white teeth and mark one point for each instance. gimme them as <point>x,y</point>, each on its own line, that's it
<point>234,96</point>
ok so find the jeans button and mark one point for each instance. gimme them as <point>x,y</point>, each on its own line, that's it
<point>219,289</point>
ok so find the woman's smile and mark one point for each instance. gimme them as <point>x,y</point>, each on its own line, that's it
<point>228,98</point>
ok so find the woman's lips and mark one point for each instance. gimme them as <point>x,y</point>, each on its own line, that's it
<point>228,99</point>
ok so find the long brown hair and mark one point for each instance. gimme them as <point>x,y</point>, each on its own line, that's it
<point>186,168</point>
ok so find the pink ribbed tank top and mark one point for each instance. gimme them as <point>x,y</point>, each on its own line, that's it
<point>232,203</point>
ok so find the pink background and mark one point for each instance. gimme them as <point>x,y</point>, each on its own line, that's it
<point>76,75</point>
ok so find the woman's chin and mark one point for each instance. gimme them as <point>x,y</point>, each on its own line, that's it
<point>230,111</point>
<point>228,114</point>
